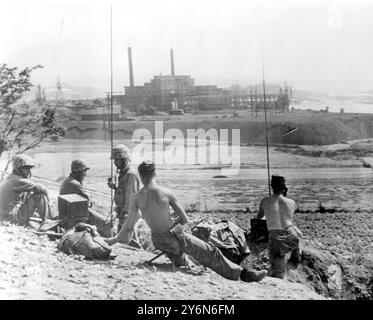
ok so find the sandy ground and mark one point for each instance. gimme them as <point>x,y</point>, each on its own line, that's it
<point>32,268</point>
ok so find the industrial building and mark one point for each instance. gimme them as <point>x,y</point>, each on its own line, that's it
<point>173,92</point>
<point>170,92</point>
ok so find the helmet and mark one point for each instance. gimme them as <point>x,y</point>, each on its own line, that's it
<point>120,151</point>
<point>78,165</point>
<point>22,160</point>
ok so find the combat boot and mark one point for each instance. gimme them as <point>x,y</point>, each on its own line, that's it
<point>249,275</point>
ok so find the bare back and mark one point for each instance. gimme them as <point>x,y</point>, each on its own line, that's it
<point>278,211</point>
<point>154,204</point>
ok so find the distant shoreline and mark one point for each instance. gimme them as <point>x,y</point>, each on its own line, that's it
<point>314,128</point>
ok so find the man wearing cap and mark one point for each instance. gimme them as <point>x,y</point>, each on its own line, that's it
<point>283,236</point>
<point>128,183</point>
<point>73,184</point>
<point>20,196</point>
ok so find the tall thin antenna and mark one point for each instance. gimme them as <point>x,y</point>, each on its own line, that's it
<point>266,129</point>
<point>111,111</point>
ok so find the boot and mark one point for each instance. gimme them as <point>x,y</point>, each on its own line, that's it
<point>296,257</point>
<point>249,275</point>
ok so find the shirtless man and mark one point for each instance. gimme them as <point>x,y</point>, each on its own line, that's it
<point>154,203</point>
<point>283,234</point>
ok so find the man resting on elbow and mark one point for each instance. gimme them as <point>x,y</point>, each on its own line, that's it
<point>154,202</point>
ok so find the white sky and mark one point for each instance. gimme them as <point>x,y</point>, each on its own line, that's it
<point>318,44</point>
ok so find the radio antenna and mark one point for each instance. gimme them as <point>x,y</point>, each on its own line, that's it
<point>111,115</point>
<point>266,127</point>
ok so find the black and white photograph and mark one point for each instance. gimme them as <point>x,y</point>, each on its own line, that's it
<point>203,150</point>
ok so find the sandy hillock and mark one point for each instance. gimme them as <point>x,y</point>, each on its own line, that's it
<point>32,268</point>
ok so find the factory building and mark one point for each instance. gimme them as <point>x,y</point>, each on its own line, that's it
<point>173,92</point>
<point>169,92</point>
<point>212,97</point>
<point>136,96</point>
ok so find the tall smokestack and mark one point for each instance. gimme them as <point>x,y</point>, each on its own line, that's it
<point>172,62</point>
<point>130,66</point>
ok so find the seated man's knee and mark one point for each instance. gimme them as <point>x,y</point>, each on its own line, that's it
<point>38,197</point>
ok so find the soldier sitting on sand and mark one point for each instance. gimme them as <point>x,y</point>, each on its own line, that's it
<point>283,234</point>
<point>73,184</point>
<point>154,203</point>
<point>20,196</point>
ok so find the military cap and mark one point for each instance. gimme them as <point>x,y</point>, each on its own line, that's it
<point>278,178</point>
<point>22,160</point>
<point>120,151</point>
<point>278,182</point>
<point>78,165</point>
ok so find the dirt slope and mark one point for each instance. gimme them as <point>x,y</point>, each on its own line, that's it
<point>31,267</point>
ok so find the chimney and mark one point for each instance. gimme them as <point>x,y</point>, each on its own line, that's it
<point>130,66</point>
<point>172,62</point>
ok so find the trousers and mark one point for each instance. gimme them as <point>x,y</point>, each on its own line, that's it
<point>207,254</point>
<point>280,243</point>
<point>25,209</point>
<point>122,217</point>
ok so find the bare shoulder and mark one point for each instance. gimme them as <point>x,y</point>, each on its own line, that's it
<point>290,202</point>
<point>138,195</point>
<point>293,203</point>
<point>166,192</point>
<point>265,200</point>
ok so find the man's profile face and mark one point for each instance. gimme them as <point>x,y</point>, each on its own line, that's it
<point>84,174</point>
<point>25,172</point>
<point>120,163</point>
<point>80,175</point>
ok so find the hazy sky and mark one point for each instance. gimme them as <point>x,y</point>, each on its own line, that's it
<point>318,44</point>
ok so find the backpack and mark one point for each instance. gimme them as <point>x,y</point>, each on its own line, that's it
<point>226,236</point>
<point>84,240</point>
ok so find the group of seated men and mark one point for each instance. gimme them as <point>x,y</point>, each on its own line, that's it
<point>20,197</point>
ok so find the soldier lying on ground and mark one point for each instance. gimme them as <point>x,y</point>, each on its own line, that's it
<point>73,184</point>
<point>283,234</point>
<point>20,196</point>
<point>154,203</point>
